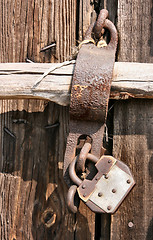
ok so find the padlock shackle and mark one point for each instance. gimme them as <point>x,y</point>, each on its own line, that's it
<point>72,172</point>
<point>73,200</point>
<point>113,34</point>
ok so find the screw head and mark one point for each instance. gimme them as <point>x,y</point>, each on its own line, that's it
<point>113,190</point>
<point>109,161</point>
<point>109,208</point>
<point>84,195</point>
<point>83,186</point>
<point>128,181</point>
<point>100,194</point>
<point>130,224</point>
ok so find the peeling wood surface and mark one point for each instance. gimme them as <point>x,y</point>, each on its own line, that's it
<point>17,80</point>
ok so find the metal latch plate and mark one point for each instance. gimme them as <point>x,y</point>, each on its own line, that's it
<point>116,180</point>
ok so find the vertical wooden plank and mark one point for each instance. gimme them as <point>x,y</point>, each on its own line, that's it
<point>133,121</point>
<point>87,15</point>
<point>112,7</point>
<point>28,26</point>
<point>135,32</point>
<point>133,126</point>
<point>33,193</point>
<point>85,223</point>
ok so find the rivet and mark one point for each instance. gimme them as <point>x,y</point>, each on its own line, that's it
<point>105,176</point>
<point>83,186</point>
<point>130,224</point>
<point>84,194</point>
<point>109,161</point>
<point>109,208</point>
<point>128,181</point>
<point>100,194</point>
<point>114,190</point>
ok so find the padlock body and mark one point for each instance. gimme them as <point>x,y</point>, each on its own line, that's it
<point>107,190</point>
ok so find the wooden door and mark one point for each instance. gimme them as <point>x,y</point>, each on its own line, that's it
<point>33,193</point>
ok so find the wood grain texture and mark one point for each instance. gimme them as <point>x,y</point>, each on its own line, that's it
<point>133,126</point>
<point>33,193</point>
<point>111,6</point>
<point>32,190</point>
<point>133,134</point>
<point>85,16</point>
<point>17,80</point>
<point>28,26</point>
<point>135,31</point>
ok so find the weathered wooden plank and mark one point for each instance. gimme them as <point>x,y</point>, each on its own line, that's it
<point>33,193</point>
<point>133,126</point>
<point>86,16</point>
<point>32,202</point>
<point>27,27</point>
<point>135,30</point>
<point>133,144</point>
<point>18,80</point>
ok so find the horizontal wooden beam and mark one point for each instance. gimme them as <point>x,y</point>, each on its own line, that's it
<point>27,80</point>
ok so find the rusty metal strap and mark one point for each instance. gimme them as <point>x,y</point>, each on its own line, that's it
<point>90,90</point>
<point>92,79</point>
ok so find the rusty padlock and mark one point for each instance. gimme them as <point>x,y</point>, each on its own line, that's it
<point>109,187</point>
<point>88,110</point>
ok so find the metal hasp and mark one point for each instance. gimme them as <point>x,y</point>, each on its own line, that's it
<point>90,91</point>
<point>104,188</point>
